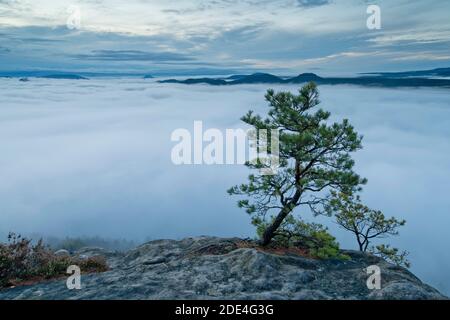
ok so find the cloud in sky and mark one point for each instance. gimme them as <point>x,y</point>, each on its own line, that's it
<point>4,50</point>
<point>280,36</point>
<point>312,3</point>
<point>133,55</point>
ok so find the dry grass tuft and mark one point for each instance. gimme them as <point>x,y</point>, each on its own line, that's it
<point>22,262</point>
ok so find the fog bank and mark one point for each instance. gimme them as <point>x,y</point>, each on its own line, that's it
<point>93,158</point>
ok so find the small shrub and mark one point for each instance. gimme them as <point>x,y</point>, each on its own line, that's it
<point>94,264</point>
<point>392,255</point>
<point>311,237</point>
<point>21,260</point>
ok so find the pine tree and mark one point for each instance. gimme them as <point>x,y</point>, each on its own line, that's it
<point>367,225</point>
<point>314,158</point>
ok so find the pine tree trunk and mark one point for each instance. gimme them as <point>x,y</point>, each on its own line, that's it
<point>269,233</point>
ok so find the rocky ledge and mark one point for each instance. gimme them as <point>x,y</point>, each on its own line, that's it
<point>217,268</point>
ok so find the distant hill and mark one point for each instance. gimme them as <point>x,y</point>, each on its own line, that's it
<point>64,76</point>
<point>379,81</point>
<point>258,78</point>
<point>211,81</point>
<point>235,76</point>
<point>57,74</point>
<point>418,78</point>
<point>439,72</point>
<point>235,79</point>
<point>306,77</point>
<point>42,74</point>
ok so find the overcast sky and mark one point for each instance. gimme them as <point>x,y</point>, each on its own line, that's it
<point>284,36</point>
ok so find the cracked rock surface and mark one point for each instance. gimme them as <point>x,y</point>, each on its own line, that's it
<point>218,268</point>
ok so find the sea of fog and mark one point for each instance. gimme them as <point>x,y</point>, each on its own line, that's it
<point>85,158</point>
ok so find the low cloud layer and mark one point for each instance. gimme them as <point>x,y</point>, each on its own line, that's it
<point>93,158</point>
